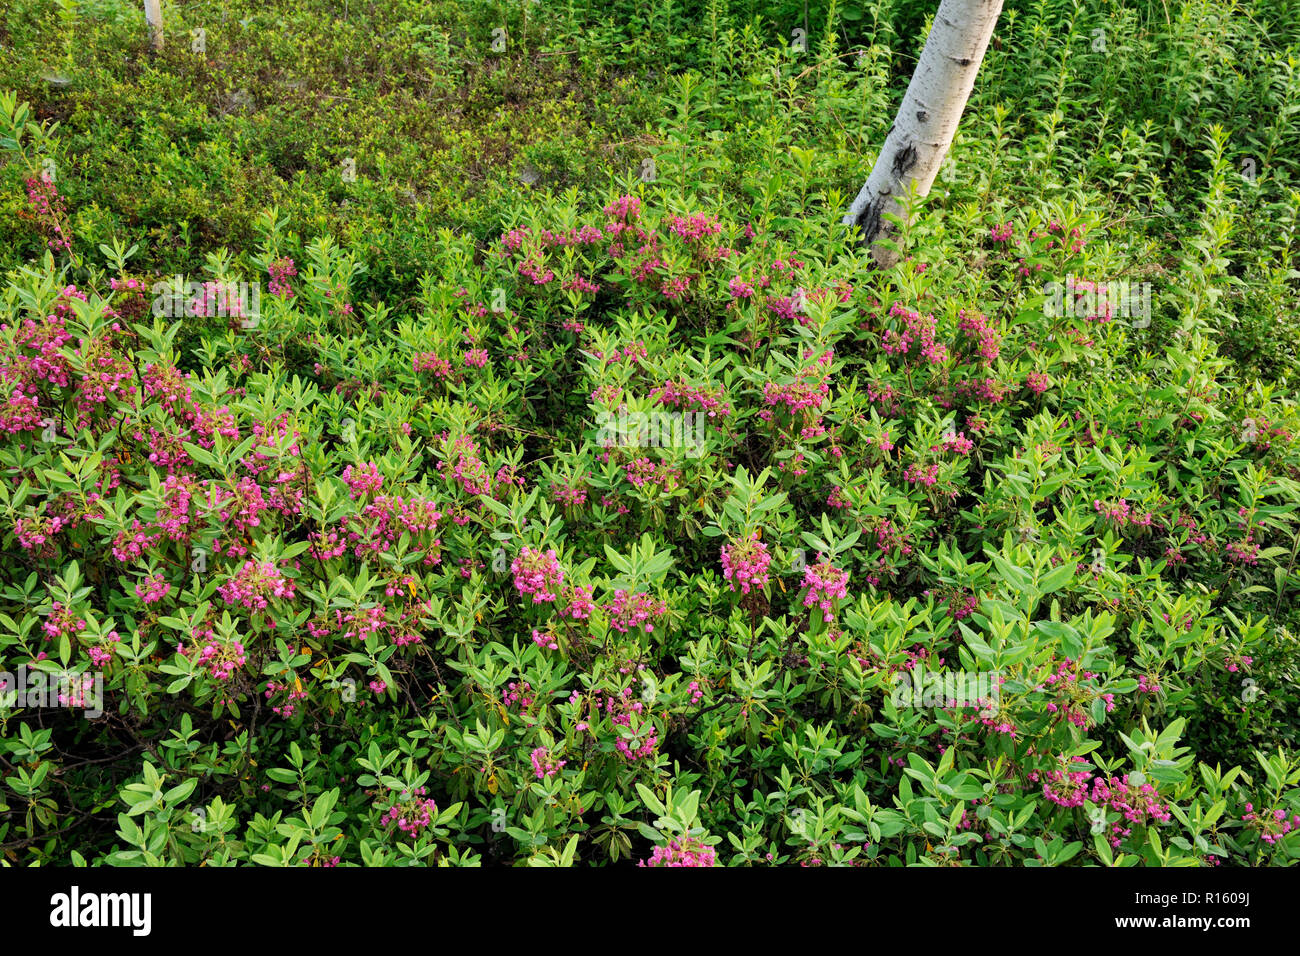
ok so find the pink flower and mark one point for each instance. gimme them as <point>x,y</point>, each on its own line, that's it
<point>363,480</point>
<point>740,289</point>
<point>628,611</point>
<point>280,272</point>
<point>152,589</point>
<point>688,851</point>
<point>694,227</point>
<point>538,573</point>
<point>922,474</point>
<point>1067,788</point>
<point>958,443</point>
<point>544,765</point>
<point>624,208</point>
<point>578,603</point>
<point>1136,804</point>
<point>825,583</point>
<point>413,813</point>
<point>219,656</point>
<point>745,563</point>
<point>254,584</point>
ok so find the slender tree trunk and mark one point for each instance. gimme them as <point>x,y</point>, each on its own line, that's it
<point>923,130</point>
<point>153,16</point>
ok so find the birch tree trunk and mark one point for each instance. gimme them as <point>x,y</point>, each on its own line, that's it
<point>923,130</point>
<point>153,16</point>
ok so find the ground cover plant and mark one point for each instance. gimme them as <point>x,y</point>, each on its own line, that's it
<point>431,454</point>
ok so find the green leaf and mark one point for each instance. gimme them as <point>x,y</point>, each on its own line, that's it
<point>1056,579</point>
<point>182,790</point>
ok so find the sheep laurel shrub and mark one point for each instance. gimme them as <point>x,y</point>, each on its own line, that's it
<point>453,520</point>
<point>633,538</point>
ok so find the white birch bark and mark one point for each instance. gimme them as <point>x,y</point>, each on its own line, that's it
<point>923,130</point>
<point>153,16</point>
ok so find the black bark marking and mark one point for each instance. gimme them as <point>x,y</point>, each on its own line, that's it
<point>922,116</point>
<point>904,160</point>
<point>870,222</point>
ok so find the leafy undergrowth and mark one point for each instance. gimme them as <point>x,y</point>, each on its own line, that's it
<point>380,129</point>
<point>652,525</point>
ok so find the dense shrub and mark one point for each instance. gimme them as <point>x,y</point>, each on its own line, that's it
<point>325,552</point>
<point>642,522</point>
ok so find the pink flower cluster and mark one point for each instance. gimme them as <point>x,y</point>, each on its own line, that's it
<point>1078,691</point>
<point>919,474</point>
<point>470,470</point>
<point>645,471</point>
<point>544,765</point>
<point>739,288</point>
<point>628,611</point>
<point>1272,826</point>
<point>577,602</point>
<point>1122,514</point>
<point>431,362</point>
<point>695,227</point>
<point>624,208</point>
<point>378,526</point>
<point>962,605</point>
<point>288,708</point>
<point>808,391</point>
<point>622,710</point>
<point>570,496</point>
<point>363,479</point>
<point>977,326</point>
<point>101,655</point>
<point>538,573</point>
<point>1065,788</point>
<point>745,563</point>
<point>280,272</point>
<point>61,621</point>
<point>709,399</point>
<point>254,584</point>
<point>240,506</point>
<point>1136,804</point>
<point>152,589</point>
<point>1234,664</point>
<point>78,690</point>
<point>1038,382</point>
<point>1245,551</point>
<point>688,851</point>
<point>50,210</point>
<point>579,284</point>
<point>917,329</point>
<point>221,659</point>
<point>957,442</point>
<point>825,583</point>
<point>987,389</point>
<point>517,693</point>
<point>412,813</point>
